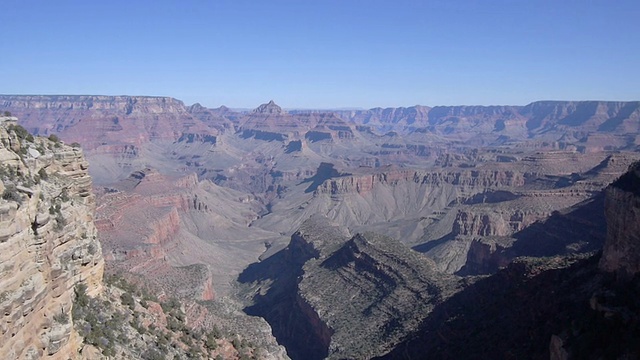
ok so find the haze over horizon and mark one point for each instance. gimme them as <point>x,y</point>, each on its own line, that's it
<point>330,54</point>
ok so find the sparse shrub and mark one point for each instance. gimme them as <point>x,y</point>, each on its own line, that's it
<point>64,195</point>
<point>194,352</point>
<point>186,339</point>
<point>60,222</point>
<point>12,195</point>
<point>20,132</point>
<point>75,145</point>
<point>82,299</point>
<point>61,318</point>
<point>216,332</point>
<point>138,327</point>
<point>7,113</point>
<point>178,314</point>
<point>170,304</point>
<point>174,325</point>
<point>128,300</point>
<point>152,354</point>
<point>210,342</point>
<point>42,173</point>
<point>54,138</point>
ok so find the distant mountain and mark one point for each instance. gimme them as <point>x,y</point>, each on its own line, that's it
<point>88,119</point>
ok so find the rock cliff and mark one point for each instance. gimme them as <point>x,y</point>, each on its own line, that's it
<point>467,179</point>
<point>621,253</point>
<point>577,306</point>
<point>95,121</point>
<point>47,244</point>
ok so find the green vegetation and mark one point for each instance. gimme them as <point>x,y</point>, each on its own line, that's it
<point>128,300</point>
<point>42,173</point>
<point>11,194</point>
<point>61,318</point>
<point>64,195</point>
<point>111,323</point>
<point>21,133</point>
<point>7,113</point>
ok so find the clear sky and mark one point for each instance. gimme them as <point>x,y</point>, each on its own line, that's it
<point>324,53</point>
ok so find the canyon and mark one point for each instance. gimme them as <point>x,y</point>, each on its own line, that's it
<point>326,228</point>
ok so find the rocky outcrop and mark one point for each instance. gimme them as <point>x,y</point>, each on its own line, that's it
<point>198,138</point>
<point>498,235</point>
<point>346,298</point>
<point>480,179</point>
<point>575,306</point>
<point>621,253</point>
<point>47,245</point>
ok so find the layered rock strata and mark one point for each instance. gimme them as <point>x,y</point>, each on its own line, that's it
<point>579,306</point>
<point>47,244</point>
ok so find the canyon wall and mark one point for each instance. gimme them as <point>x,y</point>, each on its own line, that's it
<point>47,244</point>
<point>621,252</point>
<point>95,121</point>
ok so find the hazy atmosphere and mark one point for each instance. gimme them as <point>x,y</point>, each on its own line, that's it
<point>324,54</point>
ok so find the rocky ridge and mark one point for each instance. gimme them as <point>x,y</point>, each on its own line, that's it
<point>348,296</point>
<point>561,307</point>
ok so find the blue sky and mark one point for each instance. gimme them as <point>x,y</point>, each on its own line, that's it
<point>324,54</point>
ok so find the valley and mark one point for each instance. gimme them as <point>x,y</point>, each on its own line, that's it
<point>356,232</point>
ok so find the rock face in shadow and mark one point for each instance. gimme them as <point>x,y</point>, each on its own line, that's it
<point>578,229</point>
<point>512,314</point>
<point>621,253</point>
<point>47,244</point>
<point>565,307</point>
<point>328,295</point>
<point>275,295</point>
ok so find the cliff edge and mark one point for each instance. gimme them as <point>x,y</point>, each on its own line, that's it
<point>621,252</point>
<point>47,243</point>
